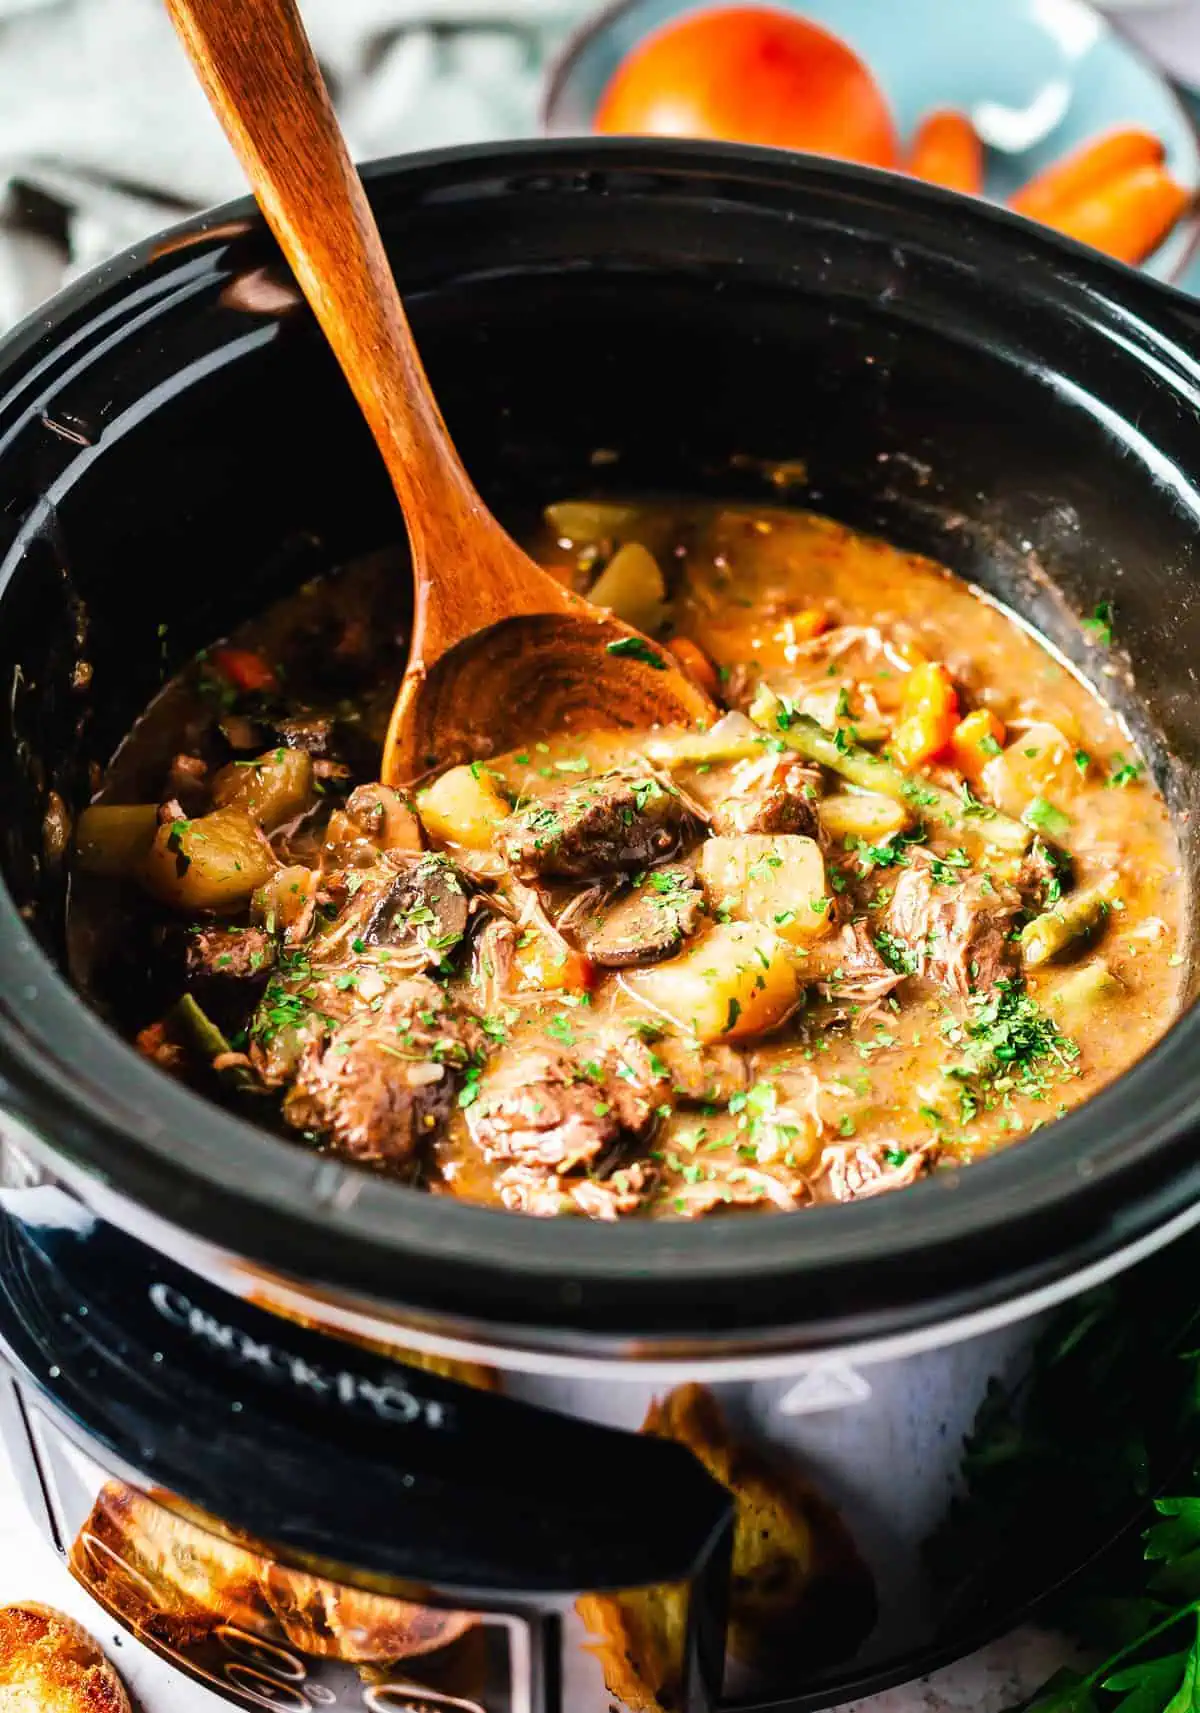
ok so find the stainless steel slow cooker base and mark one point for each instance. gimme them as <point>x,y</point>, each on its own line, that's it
<point>114,1351</point>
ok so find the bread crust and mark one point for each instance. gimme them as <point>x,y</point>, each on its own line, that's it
<point>50,1664</point>
<point>800,1595</point>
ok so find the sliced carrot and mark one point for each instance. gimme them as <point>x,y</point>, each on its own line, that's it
<point>539,965</point>
<point>244,668</point>
<point>694,661</point>
<point>1085,169</point>
<point>929,713</point>
<point>1127,218</point>
<point>976,740</point>
<point>946,150</point>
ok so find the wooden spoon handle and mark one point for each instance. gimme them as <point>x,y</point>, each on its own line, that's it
<point>258,69</point>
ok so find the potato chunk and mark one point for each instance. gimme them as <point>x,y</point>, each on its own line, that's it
<point>462,807</point>
<point>777,880</point>
<point>862,815</point>
<point>113,838</point>
<point>739,980</point>
<point>212,863</point>
<point>274,788</point>
<point>1038,762</point>
<point>631,586</point>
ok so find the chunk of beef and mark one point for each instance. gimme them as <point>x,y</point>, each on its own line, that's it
<point>853,1171</point>
<point>215,955</point>
<point>548,1111</point>
<point>784,800</point>
<point>381,1085</point>
<point>957,932</point>
<point>424,912</point>
<point>649,923</point>
<point>847,965</point>
<point>1044,872</point>
<point>187,784</point>
<point>525,1190</point>
<point>697,1073</point>
<point>311,733</point>
<point>616,823</point>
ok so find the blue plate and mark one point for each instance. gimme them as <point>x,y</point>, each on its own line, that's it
<point>1038,77</point>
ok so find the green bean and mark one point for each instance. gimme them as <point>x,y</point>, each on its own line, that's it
<point>112,838</point>
<point>193,1022</point>
<point>1076,999</point>
<point>732,738</point>
<point>870,772</point>
<point>1071,918</point>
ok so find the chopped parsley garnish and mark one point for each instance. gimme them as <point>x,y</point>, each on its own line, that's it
<point>1009,1041</point>
<point>636,648</point>
<point>947,868</point>
<point>1124,772</point>
<point>1047,819</point>
<point>895,953</point>
<point>1099,626</point>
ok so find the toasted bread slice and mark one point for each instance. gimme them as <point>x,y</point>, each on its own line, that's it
<point>49,1664</point>
<point>800,1595</point>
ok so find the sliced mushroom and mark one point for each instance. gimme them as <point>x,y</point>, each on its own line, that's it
<point>648,924</point>
<point>424,909</point>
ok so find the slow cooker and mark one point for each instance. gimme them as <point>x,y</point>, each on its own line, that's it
<point>257,1392</point>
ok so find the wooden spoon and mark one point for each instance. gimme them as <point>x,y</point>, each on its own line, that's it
<point>501,652</point>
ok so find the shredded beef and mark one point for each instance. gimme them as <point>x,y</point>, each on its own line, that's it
<point>525,1190</point>
<point>854,969</point>
<point>1043,874</point>
<point>741,1186</point>
<point>855,1170</point>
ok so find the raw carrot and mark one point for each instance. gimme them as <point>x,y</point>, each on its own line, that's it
<point>694,660</point>
<point>1127,218</point>
<point>1085,169</point>
<point>946,150</point>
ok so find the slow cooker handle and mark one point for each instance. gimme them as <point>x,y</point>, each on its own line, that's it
<point>299,1439</point>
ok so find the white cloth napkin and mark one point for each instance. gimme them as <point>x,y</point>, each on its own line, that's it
<point>105,136</point>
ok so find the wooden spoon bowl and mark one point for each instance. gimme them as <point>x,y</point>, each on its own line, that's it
<point>501,653</point>
<point>531,677</point>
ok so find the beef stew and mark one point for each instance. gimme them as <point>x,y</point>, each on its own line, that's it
<point>909,898</point>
